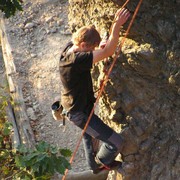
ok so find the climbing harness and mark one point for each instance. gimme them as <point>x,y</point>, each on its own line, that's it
<point>104,82</point>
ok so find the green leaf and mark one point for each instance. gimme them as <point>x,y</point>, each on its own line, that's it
<point>66,152</point>
<point>54,150</point>
<point>19,160</point>
<point>35,168</point>
<point>7,129</point>
<point>41,157</point>
<point>62,165</point>
<point>50,165</point>
<point>61,169</point>
<point>42,146</point>
<point>31,156</point>
<point>17,5</point>
<point>22,148</point>
<point>6,132</point>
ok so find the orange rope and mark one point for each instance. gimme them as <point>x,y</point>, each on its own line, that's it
<point>103,85</point>
<point>105,70</point>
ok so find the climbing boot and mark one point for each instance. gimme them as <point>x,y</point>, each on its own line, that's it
<point>107,154</point>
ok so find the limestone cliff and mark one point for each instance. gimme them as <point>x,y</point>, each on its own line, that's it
<point>142,96</point>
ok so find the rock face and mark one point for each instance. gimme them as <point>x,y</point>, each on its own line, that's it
<point>142,95</point>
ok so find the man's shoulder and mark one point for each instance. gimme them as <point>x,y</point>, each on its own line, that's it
<point>64,57</point>
<point>81,56</point>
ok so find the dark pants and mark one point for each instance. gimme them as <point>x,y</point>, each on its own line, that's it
<point>112,141</point>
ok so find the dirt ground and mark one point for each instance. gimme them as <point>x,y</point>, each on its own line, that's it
<point>37,36</point>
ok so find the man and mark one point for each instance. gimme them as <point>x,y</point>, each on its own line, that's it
<point>77,96</point>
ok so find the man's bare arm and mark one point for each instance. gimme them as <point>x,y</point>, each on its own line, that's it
<point>121,17</point>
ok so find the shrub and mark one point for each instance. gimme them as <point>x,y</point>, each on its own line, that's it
<point>9,7</point>
<point>24,163</point>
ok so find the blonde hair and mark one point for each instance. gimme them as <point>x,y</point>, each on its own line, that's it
<point>87,34</point>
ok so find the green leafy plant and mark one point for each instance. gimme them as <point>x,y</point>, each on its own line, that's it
<point>42,162</point>
<point>23,163</point>
<point>9,7</point>
<point>6,155</point>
